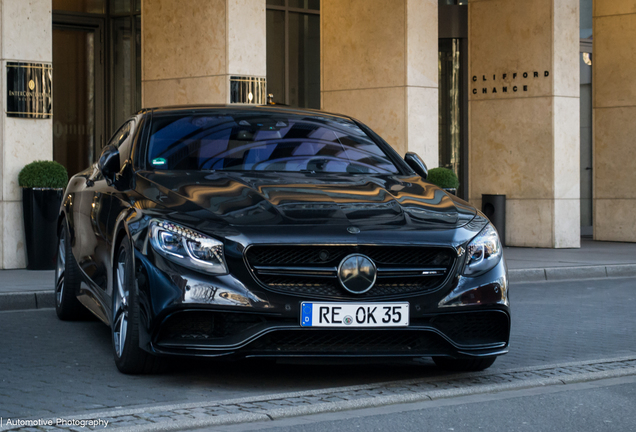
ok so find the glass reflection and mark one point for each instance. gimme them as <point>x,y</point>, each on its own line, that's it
<point>450,103</point>
<point>74,113</point>
<point>122,66</point>
<point>88,6</point>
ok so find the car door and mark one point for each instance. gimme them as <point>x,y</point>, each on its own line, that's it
<point>91,216</point>
<point>118,197</point>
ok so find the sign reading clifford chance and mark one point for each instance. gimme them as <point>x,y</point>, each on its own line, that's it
<point>29,90</point>
<point>511,83</point>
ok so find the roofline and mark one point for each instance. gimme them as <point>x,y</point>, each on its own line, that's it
<point>203,107</point>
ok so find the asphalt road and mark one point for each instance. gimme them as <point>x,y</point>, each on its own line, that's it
<point>606,405</point>
<point>49,367</point>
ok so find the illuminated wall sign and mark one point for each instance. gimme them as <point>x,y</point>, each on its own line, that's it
<point>512,82</point>
<point>29,90</point>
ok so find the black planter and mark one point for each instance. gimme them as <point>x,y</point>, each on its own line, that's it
<point>40,209</point>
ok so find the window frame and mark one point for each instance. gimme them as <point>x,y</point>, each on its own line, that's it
<point>287,9</point>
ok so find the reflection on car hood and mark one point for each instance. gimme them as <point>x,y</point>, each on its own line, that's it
<point>299,198</point>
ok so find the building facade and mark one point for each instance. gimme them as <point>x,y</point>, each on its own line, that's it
<point>532,99</point>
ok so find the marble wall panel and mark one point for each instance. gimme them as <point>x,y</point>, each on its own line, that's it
<point>1,234</point>
<point>27,31</point>
<point>614,61</point>
<point>614,7</point>
<point>529,222</point>
<point>383,110</point>
<point>567,138</point>
<point>363,44</point>
<point>246,37</point>
<point>567,223</point>
<point>510,37</point>
<point>525,143</point>
<point>25,140</point>
<point>13,240</point>
<point>421,43</point>
<point>614,128</point>
<point>511,148</point>
<point>614,153</point>
<point>185,91</point>
<point>183,38</point>
<point>566,69</point>
<point>614,220</point>
<point>423,134</point>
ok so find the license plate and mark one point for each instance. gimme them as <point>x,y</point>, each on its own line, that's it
<point>354,314</point>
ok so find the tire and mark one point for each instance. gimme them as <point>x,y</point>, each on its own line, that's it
<point>67,281</point>
<point>464,364</point>
<point>129,357</point>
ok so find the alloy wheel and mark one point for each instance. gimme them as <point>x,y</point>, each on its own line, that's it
<point>120,323</point>
<point>59,269</point>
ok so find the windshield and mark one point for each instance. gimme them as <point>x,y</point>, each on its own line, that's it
<point>263,141</point>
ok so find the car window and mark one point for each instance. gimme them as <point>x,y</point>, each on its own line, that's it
<point>263,141</point>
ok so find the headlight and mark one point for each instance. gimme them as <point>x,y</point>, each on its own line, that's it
<point>484,252</point>
<point>187,247</point>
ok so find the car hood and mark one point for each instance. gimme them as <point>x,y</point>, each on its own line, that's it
<point>266,199</point>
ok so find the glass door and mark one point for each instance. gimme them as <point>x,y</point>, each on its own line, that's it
<point>78,119</point>
<point>452,110</point>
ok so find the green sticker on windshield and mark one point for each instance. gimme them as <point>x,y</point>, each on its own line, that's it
<point>158,161</point>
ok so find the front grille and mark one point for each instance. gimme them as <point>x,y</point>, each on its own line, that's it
<point>351,341</point>
<point>331,287</point>
<point>474,328</point>
<point>284,260</point>
<point>312,255</point>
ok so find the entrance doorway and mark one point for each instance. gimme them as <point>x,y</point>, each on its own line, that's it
<point>78,125</point>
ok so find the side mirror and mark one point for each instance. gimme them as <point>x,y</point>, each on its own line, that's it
<point>109,163</point>
<point>416,164</point>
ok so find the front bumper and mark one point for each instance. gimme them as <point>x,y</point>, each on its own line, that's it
<point>187,313</point>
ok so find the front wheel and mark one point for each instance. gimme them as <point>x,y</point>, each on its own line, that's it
<point>129,357</point>
<point>464,364</point>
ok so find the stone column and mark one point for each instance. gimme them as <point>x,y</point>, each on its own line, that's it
<point>191,48</point>
<point>614,117</point>
<point>379,63</point>
<point>26,34</point>
<point>524,116</point>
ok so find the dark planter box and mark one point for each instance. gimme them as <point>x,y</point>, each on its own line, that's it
<point>40,209</point>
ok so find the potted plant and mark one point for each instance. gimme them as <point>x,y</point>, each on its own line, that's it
<point>42,184</point>
<point>444,178</point>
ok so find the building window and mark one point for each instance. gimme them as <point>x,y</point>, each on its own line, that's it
<point>125,65</point>
<point>293,52</point>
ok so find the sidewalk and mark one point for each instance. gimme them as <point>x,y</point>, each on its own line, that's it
<point>592,261</point>
<point>24,289</point>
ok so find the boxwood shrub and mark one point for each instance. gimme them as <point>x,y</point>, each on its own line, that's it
<point>43,174</point>
<point>443,177</point>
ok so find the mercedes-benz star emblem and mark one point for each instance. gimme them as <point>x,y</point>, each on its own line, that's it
<point>357,273</point>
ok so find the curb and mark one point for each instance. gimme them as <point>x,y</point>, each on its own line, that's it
<point>572,273</point>
<point>27,300</point>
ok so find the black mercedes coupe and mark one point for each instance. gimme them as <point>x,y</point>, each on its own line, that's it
<point>236,231</point>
